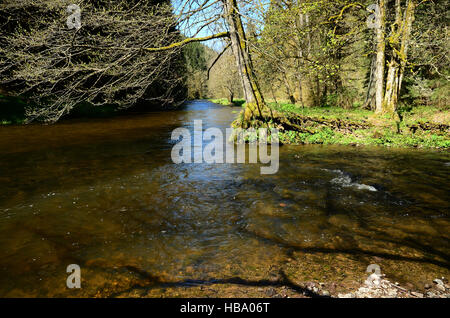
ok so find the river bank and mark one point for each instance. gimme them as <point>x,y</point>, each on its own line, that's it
<point>419,127</point>
<point>383,288</point>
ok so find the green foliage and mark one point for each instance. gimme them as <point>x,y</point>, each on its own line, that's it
<point>224,80</point>
<point>315,45</point>
<point>226,102</point>
<point>375,135</point>
<point>356,114</point>
<point>195,57</point>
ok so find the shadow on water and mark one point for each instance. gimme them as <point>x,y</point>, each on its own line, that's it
<point>358,252</point>
<point>157,283</point>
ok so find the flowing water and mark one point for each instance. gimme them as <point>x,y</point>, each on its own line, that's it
<point>104,194</point>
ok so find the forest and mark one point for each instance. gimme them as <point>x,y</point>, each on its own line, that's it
<point>350,72</point>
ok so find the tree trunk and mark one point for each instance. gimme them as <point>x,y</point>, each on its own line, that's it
<point>231,97</point>
<point>407,30</point>
<point>391,93</point>
<point>254,100</point>
<point>298,90</point>
<point>380,59</point>
<point>288,89</point>
<point>305,86</point>
<point>308,96</point>
<point>370,96</point>
<point>273,94</point>
<point>399,41</point>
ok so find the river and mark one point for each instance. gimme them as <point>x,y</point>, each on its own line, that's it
<point>105,194</point>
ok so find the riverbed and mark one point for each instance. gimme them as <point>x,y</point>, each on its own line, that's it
<point>106,195</point>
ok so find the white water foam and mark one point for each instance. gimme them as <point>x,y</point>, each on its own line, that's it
<point>345,181</point>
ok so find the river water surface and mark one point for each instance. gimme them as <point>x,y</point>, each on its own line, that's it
<point>104,194</point>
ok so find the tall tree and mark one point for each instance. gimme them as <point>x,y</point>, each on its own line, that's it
<point>380,55</point>
<point>252,92</point>
<point>399,43</point>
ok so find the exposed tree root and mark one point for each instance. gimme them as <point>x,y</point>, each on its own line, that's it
<point>296,122</point>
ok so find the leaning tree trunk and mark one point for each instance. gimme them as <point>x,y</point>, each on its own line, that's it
<point>255,104</point>
<point>369,103</point>
<point>288,88</point>
<point>400,42</point>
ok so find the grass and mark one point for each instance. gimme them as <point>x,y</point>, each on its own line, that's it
<point>225,102</point>
<point>426,114</point>
<point>382,130</point>
<point>354,114</point>
<point>366,137</point>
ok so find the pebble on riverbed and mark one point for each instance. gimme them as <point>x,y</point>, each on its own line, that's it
<point>386,289</point>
